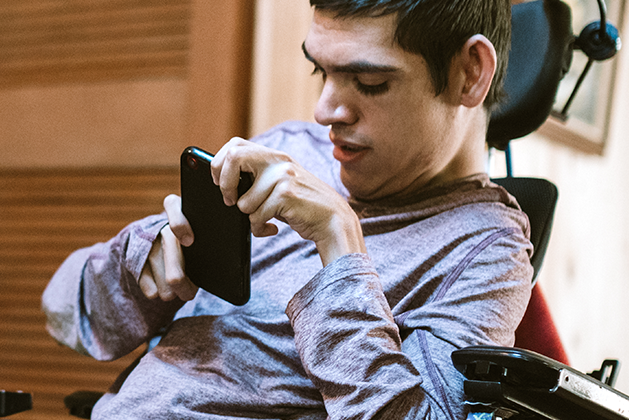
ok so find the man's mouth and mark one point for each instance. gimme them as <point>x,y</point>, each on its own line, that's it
<point>346,152</point>
<point>351,148</point>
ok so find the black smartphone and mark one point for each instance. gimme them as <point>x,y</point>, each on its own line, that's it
<point>219,260</point>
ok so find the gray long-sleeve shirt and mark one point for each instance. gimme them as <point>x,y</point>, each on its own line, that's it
<point>368,336</point>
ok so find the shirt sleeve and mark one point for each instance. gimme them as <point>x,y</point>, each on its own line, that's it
<point>94,304</point>
<point>368,363</point>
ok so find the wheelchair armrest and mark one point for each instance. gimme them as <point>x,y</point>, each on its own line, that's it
<point>525,382</point>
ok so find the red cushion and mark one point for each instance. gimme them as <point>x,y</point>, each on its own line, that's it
<point>537,331</point>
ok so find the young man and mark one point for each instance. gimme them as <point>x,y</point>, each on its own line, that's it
<point>380,244</point>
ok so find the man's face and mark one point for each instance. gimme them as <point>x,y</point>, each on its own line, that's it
<point>391,134</point>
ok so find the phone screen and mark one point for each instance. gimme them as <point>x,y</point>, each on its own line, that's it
<point>219,260</point>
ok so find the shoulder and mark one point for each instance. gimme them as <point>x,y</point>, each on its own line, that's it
<point>462,207</point>
<point>476,204</point>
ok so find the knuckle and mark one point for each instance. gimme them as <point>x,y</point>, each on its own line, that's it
<point>233,152</point>
<point>174,279</point>
<point>236,140</point>
<point>284,157</point>
<point>285,189</point>
<point>285,167</point>
<point>287,172</point>
<point>244,206</point>
<point>166,295</point>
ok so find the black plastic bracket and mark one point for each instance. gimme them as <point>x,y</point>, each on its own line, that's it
<point>608,372</point>
<point>14,402</point>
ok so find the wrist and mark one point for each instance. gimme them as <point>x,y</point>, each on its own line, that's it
<point>345,237</point>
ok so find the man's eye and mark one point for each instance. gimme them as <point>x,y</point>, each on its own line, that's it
<point>372,90</point>
<point>318,70</point>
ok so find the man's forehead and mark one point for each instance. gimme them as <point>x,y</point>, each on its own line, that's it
<point>346,37</point>
<point>375,30</point>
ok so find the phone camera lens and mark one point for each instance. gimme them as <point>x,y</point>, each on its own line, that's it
<point>192,162</point>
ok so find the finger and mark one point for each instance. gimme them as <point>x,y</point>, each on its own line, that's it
<point>187,290</point>
<point>258,204</point>
<point>216,165</point>
<point>236,157</point>
<point>263,230</point>
<point>178,223</point>
<point>174,272</point>
<point>259,219</point>
<point>219,157</point>
<point>259,192</point>
<point>227,170</point>
<point>156,259</point>
<point>146,282</point>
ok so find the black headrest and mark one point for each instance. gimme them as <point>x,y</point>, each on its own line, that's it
<point>541,53</point>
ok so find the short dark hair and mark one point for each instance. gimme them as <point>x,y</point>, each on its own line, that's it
<point>438,29</point>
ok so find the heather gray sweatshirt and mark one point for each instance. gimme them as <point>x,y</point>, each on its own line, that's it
<point>368,336</point>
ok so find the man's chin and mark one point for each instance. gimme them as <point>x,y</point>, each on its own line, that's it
<point>357,187</point>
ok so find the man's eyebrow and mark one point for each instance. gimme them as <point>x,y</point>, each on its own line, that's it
<point>354,67</point>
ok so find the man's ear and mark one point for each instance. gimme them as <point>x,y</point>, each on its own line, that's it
<point>478,65</point>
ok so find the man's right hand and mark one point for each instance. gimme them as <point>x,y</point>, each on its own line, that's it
<point>163,274</point>
<point>286,191</point>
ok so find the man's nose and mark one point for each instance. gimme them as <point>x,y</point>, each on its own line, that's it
<point>334,106</point>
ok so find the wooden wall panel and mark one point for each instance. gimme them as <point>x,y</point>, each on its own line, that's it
<point>44,41</point>
<point>283,87</point>
<point>221,42</point>
<point>46,214</point>
<point>92,84</point>
<point>91,88</point>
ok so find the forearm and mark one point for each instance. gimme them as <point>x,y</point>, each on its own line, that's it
<point>93,302</point>
<point>351,349</point>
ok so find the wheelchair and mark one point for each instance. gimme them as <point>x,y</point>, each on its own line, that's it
<point>518,383</point>
<point>501,382</point>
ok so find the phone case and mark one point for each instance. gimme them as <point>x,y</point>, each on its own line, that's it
<point>219,260</point>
